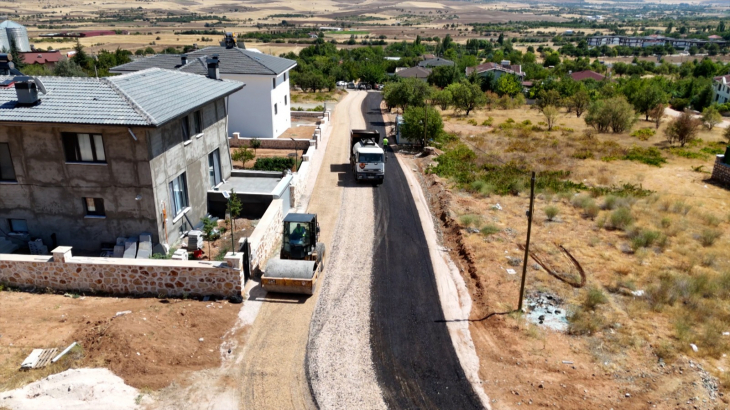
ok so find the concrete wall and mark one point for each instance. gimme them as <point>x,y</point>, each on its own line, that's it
<point>271,143</point>
<point>721,171</point>
<point>170,157</point>
<point>266,238</point>
<point>122,276</point>
<point>252,108</point>
<point>49,192</point>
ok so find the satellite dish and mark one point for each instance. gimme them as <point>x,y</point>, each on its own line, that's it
<point>40,85</point>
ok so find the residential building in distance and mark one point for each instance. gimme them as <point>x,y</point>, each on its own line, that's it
<point>721,86</point>
<point>84,161</point>
<point>587,74</point>
<point>652,40</point>
<point>414,72</point>
<point>505,67</point>
<point>262,109</point>
<point>435,62</point>
<point>44,58</point>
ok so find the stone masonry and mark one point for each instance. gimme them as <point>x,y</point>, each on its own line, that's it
<point>65,272</point>
<point>721,171</point>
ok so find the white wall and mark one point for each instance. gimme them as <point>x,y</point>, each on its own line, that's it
<point>251,110</point>
<point>722,91</point>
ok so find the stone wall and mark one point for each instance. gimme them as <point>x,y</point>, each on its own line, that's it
<point>266,236</point>
<point>64,272</point>
<point>721,171</point>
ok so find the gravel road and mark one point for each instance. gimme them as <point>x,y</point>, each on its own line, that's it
<point>413,354</point>
<point>339,357</point>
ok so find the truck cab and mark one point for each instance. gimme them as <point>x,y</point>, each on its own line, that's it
<point>367,158</point>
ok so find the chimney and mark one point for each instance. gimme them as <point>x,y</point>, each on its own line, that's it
<point>26,88</point>
<point>183,59</point>
<point>213,72</point>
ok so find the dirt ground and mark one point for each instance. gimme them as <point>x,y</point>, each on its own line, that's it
<point>618,367</point>
<point>216,250</point>
<point>159,342</point>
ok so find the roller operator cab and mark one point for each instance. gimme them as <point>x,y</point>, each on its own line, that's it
<point>366,156</point>
<point>301,232</point>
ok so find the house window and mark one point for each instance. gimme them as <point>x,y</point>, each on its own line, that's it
<point>94,207</point>
<point>285,76</point>
<point>18,225</point>
<point>179,194</point>
<point>214,168</point>
<point>7,172</point>
<point>286,100</point>
<point>276,109</point>
<point>185,128</point>
<point>84,148</point>
<point>274,82</point>
<point>197,122</point>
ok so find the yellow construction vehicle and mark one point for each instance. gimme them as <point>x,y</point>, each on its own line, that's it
<point>301,259</point>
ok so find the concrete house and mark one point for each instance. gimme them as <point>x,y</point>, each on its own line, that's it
<point>262,109</point>
<point>505,67</point>
<point>435,62</point>
<point>86,160</point>
<point>721,87</point>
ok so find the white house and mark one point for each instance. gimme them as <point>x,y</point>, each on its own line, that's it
<point>262,108</point>
<point>721,85</point>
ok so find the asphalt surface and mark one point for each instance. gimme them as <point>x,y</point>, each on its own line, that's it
<point>415,361</point>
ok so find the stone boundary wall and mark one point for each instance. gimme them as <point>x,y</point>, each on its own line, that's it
<point>266,236</point>
<point>309,114</point>
<point>64,272</point>
<point>721,171</point>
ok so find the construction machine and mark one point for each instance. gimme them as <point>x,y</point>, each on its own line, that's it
<point>301,259</point>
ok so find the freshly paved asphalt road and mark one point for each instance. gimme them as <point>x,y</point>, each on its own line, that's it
<point>414,359</point>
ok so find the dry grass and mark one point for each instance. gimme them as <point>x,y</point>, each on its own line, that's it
<point>11,377</point>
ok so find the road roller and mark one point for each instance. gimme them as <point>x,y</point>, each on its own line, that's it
<point>301,259</point>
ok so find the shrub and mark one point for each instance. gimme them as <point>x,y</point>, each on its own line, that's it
<point>644,238</point>
<point>581,322</point>
<point>615,114</point>
<point>551,115</point>
<point>649,156</point>
<point>612,202</point>
<point>488,122</point>
<point>711,117</point>
<point>469,219</point>
<point>594,297</point>
<point>708,236</point>
<point>472,121</point>
<point>726,134</point>
<point>620,219</point>
<point>711,219</point>
<point>482,187</point>
<point>273,164</point>
<point>683,129</point>
<point>582,201</point>
<point>551,212</point>
<point>643,133</point>
<point>489,229</point>
<point>666,223</point>
<point>679,207</point>
<point>583,153</point>
<point>591,211</point>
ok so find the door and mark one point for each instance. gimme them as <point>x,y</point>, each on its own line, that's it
<point>214,168</point>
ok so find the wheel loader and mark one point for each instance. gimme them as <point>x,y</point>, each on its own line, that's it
<point>301,259</point>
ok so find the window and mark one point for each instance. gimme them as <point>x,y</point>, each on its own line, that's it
<point>276,109</point>
<point>286,100</point>
<point>18,225</point>
<point>274,82</point>
<point>214,168</point>
<point>7,172</point>
<point>84,148</point>
<point>94,206</point>
<point>197,122</point>
<point>285,76</point>
<point>185,128</point>
<point>178,194</point>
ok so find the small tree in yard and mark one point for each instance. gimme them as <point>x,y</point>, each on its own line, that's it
<point>711,117</point>
<point>657,113</point>
<point>413,119</point>
<point>208,231</point>
<point>243,154</point>
<point>547,98</point>
<point>234,210</point>
<point>683,129</point>
<point>255,144</point>
<point>442,98</point>
<point>551,115</point>
<point>579,102</point>
<point>466,96</point>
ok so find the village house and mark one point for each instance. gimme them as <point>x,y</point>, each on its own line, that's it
<point>44,58</point>
<point>262,108</point>
<point>496,70</point>
<point>721,87</point>
<point>84,161</point>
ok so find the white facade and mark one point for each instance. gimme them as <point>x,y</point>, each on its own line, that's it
<point>722,89</point>
<point>261,109</point>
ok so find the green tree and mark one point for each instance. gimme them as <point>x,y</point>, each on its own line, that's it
<point>405,93</point>
<point>711,117</point>
<point>413,124</point>
<point>683,129</point>
<point>579,102</point>
<point>68,68</point>
<point>552,59</point>
<point>466,96</point>
<point>649,97</point>
<point>442,98</point>
<point>508,84</point>
<point>243,154</point>
<point>255,143</point>
<point>443,76</point>
<point>614,113</point>
<point>547,98</point>
<point>551,115</point>
<point>372,73</point>
<point>80,58</point>
<point>15,55</point>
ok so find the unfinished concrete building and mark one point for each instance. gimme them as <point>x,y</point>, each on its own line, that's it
<point>86,160</point>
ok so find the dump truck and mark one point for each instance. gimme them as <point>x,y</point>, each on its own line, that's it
<point>366,156</point>
<point>301,259</point>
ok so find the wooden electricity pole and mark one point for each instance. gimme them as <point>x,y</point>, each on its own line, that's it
<point>527,245</point>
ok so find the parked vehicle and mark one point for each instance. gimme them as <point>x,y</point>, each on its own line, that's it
<point>366,156</point>
<point>351,85</point>
<point>361,86</point>
<point>342,83</point>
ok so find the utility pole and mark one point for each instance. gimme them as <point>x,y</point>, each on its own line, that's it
<point>527,245</point>
<point>425,123</point>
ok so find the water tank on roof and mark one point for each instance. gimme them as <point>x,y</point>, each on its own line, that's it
<point>17,35</point>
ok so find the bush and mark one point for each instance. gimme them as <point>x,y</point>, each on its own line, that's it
<point>482,188</point>
<point>643,133</point>
<point>472,121</point>
<point>489,230</point>
<point>649,156</point>
<point>582,201</point>
<point>274,164</point>
<point>612,202</point>
<point>708,236</point>
<point>615,114</point>
<point>551,212</point>
<point>488,122</point>
<point>683,129</point>
<point>644,238</point>
<point>594,297</point>
<point>581,322</point>
<point>469,220</point>
<point>620,219</point>
<point>591,211</point>
<point>711,220</point>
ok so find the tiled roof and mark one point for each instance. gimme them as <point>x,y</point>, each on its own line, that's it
<point>232,61</point>
<point>146,98</point>
<point>435,62</point>
<point>586,74</point>
<point>414,72</point>
<point>512,69</point>
<point>35,57</point>
<point>726,78</point>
